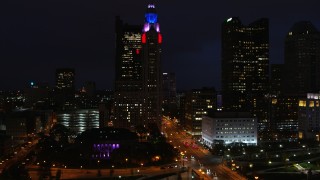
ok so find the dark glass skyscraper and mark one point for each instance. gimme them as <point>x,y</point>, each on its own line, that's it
<point>245,64</point>
<point>138,73</point>
<point>302,59</point>
<point>128,79</point>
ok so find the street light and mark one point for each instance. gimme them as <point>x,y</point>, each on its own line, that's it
<point>126,162</point>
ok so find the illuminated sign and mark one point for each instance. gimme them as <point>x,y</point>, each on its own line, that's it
<point>159,38</point>
<point>144,38</point>
<point>102,151</point>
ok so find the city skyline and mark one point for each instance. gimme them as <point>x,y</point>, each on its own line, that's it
<point>38,37</point>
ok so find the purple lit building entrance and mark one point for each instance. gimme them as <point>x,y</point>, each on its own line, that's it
<point>102,151</point>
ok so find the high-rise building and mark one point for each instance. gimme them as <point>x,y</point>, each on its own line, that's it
<point>302,59</point>
<point>245,67</point>
<point>128,79</point>
<point>138,74</point>
<point>151,39</point>
<point>299,76</point>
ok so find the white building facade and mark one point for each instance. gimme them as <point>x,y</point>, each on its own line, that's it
<point>229,127</point>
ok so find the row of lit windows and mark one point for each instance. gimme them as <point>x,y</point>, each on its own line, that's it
<point>235,136</point>
<point>236,120</point>
<point>236,132</point>
<point>243,140</point>
<point>303,103</point>
<point>129,105</point>
<point>236,128</point>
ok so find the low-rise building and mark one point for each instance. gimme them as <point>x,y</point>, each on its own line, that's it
<point>79,120</point>
<point>229,127</point>
<point>309,116</point>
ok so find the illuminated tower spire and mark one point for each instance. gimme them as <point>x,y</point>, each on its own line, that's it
<point>151,22</point>
<point>151,19</point>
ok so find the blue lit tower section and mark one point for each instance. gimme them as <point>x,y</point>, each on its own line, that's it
<point>151,19</point>
<point>151,40</point>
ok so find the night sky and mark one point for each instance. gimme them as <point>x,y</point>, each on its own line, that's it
<point>38,36</point>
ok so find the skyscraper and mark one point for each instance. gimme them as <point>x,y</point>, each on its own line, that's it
<point>151,39</point>
<point>302,59</point>
<point>245,64</point>
<point>138,73</point>
<point>128,79</point>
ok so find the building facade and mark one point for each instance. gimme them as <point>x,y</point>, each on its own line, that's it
<point>309,117</point>
<point>229,127</point>
<point>151,39</point>
<point>65,79</point>
<point>245,66</point>
<point>138,84</point>
<point>169,87</point>
<point>128,80</point>
<point>80,120</point>
<point>197,104</point>
<point>302,59</point>
<point>276,78</point>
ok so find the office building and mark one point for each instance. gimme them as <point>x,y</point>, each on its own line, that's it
<point>284,118</point>
<point>169,87</point>
<point>245,64</point>
<point>197,104</point>
<point>65,79</point>
<point>138,75</point>
<point>308,117</point>
<point>169,102</point>
<point>229,127</point>
<point>128,80</point>
<point>302,59</point>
